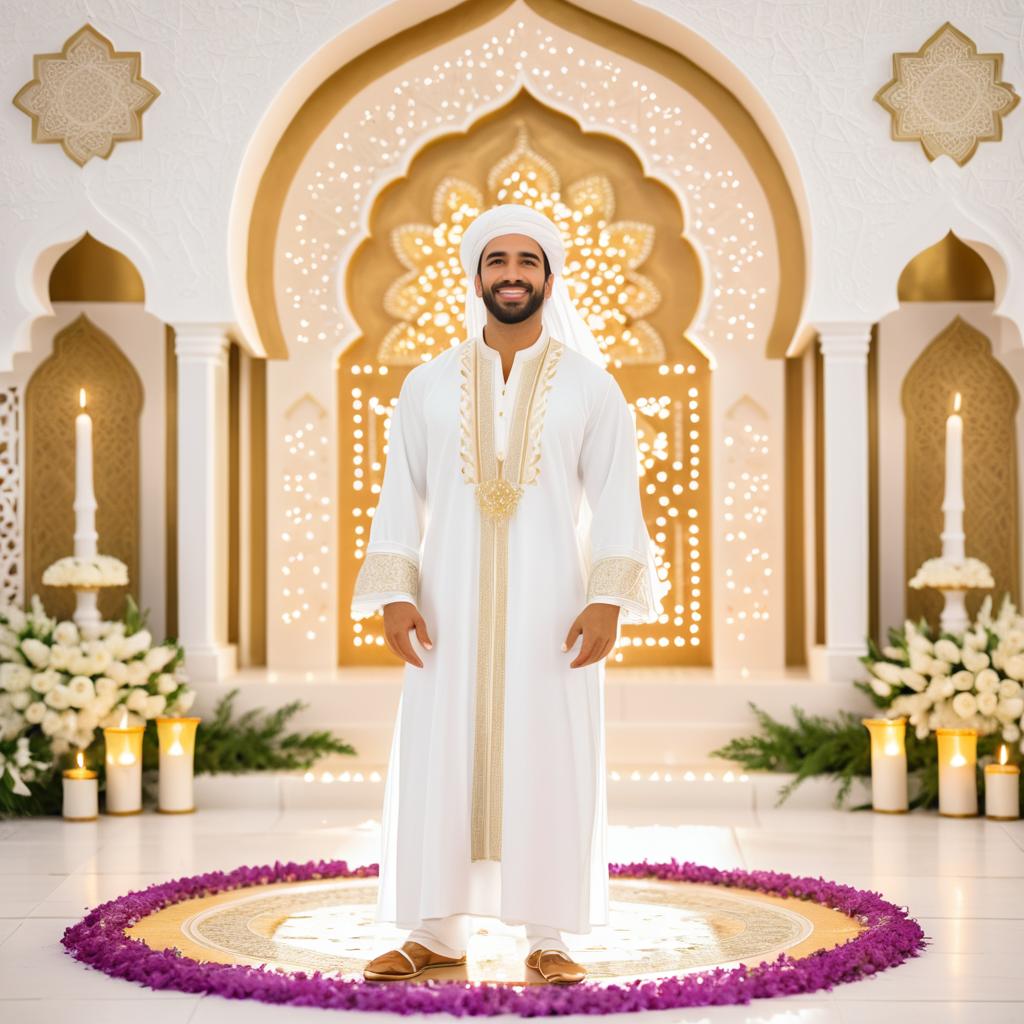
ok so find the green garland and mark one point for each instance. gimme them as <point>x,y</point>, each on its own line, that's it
<point>255,741</point>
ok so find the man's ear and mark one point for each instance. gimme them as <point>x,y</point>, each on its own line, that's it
<point>478,286</point>
<point>548,285</point>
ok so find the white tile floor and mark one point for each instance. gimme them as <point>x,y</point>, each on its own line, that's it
<point>963,880</point>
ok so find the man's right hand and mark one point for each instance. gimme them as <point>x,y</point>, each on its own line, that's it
<point>400,617</point>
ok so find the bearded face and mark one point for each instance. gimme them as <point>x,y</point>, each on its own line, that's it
<point>513,276</point>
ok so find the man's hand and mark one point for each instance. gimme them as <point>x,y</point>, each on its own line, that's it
<point>399,618</point>
<point>598,623</point>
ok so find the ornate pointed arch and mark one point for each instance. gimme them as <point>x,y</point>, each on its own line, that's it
<point>645,287</point>
<point>960,358</point>
<point>83,357</point>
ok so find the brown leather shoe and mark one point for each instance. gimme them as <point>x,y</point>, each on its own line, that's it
<point>556,967</point>
<point>408,962</point>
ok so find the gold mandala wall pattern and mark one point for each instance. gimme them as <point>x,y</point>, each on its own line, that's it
<point>634,273</point>
<point>947,96</point>
<point>960,359</point>
<point>602,266</point>
<point>83,357</point>
<point>87,97</point>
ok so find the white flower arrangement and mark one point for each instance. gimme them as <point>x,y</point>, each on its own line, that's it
<point>93,571</point>
<point>973,680</point>
<point>57,688</point>
<point>946,574</point>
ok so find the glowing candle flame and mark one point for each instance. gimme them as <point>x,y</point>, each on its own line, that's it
<point>81,398</point>
<point>79,759</point>
<point>123,724</point>
<point>956,402</point>
<point>1002,753</point>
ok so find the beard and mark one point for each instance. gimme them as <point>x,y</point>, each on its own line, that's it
<point>513,312</point>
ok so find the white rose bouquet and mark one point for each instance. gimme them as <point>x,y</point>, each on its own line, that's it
<point>57,688</point>
<point>968,681</point>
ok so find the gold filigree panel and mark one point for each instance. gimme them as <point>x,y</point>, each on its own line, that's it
<point>960,359</point>
<point>87,97</point>
<point>947,96</point>
<point>523,153</point>
<point>83,357</point>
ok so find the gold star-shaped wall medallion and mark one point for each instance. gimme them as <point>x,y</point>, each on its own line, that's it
<point>947,96</point>
<point>87,97</point>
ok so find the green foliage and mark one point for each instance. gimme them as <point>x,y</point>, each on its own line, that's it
<point>47,795</point>
<point>257,740</point>
<point>840,747</point>
<point>134,620</point>
<point>814,746</point>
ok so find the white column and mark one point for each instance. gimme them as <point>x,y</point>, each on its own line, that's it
<point>202,351</point>
<point>844,347</point>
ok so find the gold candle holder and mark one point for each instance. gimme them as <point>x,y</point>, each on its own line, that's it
<point>124,769</point>
<point>1002,789</point>
<point>81,792</point>
<point>958,765</point>
<point>888,764</point>
<point>177,737</point>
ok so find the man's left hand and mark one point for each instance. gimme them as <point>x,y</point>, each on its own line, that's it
<point>599,625</point>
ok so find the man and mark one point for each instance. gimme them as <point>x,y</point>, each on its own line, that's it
<point>508,530</point>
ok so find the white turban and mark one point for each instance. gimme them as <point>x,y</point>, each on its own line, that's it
<point>561,317</point>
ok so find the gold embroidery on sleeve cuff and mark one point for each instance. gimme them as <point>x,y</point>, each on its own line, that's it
<point>385,572</point>
<point>624,579</point>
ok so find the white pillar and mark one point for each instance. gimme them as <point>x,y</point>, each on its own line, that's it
<point>202,352</point>
<point>844,347</point>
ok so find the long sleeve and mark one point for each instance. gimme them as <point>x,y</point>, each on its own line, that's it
<point>622,566</point>
<point>390,569</point>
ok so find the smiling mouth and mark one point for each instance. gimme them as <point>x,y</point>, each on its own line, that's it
<point>511,294</point>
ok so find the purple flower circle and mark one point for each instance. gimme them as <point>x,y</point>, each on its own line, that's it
<point>889,938</point>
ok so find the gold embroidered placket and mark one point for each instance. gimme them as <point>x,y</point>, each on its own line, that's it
<point>498,490</point>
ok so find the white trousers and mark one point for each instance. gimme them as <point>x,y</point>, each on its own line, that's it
<point>449,935</point>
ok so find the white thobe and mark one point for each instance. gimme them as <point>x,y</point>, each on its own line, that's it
<point>495,799</point>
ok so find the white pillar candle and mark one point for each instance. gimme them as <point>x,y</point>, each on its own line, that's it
<point>958,787</point>
<point>85,538</point>
<point>124,769</point>
<point>1002,789</point>
<point>953,500</point>
<point>888,764</point>
<point>81,792</point>
<point>177,752</point>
